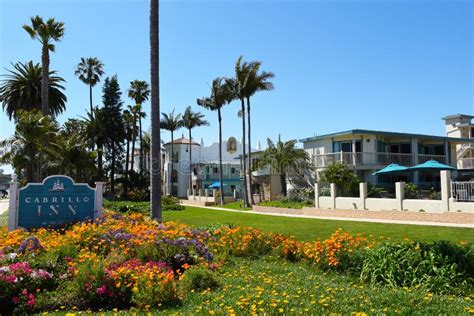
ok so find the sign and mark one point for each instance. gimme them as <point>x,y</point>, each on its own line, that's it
<point>54,202</point>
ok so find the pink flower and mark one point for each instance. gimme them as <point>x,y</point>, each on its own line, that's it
<point>101,290</point>
<point>24,292</point>
<point>15,299</point>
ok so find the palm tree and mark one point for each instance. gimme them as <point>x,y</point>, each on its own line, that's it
<point>146,148</point>
<point>34,134</point>
<point>89,71</point>
<point>155,170</point>
<point>282,157</point>
<point>21,90</point>
<point>45,33</point>
<point>255,82</point>
<point>140,92</point>
<point>220,96</point>
<point>191,120</point>
<point>128,119</point>
<point>237,87</point>
<point>171,122</point>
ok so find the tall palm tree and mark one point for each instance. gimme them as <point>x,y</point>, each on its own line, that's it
<point>237,87</point>
<point>146,148</point>
<point>255,82</point>
<point>220,96</point>
<point>140,92</point>
<point>46,33</point>
<point>128,119</point>
<point>89,71</point>
<point>192,120</point>
<point>171,122</point>
<point>21,90</point>
<point>155,170</point>
<point>282,157</point>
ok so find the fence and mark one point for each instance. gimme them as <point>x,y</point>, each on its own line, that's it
<point>462,191</point>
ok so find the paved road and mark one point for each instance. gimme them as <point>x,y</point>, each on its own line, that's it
<point>3,206</point>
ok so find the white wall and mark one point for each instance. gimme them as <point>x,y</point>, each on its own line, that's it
<point>430,206</point>
<point>381,204</point>
<point>349,203</point>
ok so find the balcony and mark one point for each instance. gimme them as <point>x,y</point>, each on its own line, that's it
<point>373,159</point>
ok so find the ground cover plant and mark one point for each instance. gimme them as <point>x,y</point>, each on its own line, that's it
<point>287,203</point>
<point>125,261</point>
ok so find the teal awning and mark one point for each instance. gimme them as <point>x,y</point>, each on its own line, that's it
<point>217,185</point>
<point>392,168</point>
<point>431,165</point>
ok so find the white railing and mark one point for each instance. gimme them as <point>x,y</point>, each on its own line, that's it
<point>462,191</point>
<point>466,163</point>
<point>373,159</point>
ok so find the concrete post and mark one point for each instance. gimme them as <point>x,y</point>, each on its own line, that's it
<point>214,195</point>
<point>363,194</point>
<point>13,205</point>
<point>235,194</point>
<point>206,192</point>
<point>317,193</point>
<point>201,192</point>
<point>333,195</point>
<point>400,194</point>
<point>99,197</point>
<point>445,176</point>
<point>188,192</point>
<point>194,192</point>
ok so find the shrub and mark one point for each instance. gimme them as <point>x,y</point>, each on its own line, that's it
<point>287,203</point>
<point>199,279</point>
<point>438,267</point>
<point>411,191</point>
<point>344,178</point>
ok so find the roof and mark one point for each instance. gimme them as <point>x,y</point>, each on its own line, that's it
<point>448,117</point>
<point>182,140</point>
<point>389,134</point>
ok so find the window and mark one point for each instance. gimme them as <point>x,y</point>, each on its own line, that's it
<point>400,148</point>
<point>207,169</point>
<point>215,169</point>
<point>232,170</point>
<point>195,172</point>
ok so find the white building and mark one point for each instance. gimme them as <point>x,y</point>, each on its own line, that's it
<point>366,151</point>
<point>204,166</point>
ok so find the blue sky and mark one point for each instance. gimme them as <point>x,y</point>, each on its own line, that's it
<point>387,65</point>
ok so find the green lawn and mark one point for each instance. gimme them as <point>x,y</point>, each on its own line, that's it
<point>311,229</point>
<point>261,286</point>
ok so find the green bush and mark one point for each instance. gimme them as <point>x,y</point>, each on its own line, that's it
<point>286,203</point>
<point>169,203</point>
<point>411,191</point>
<point>440,267</point>
<point>199,279</point>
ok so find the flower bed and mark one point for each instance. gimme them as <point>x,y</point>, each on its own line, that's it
<point>126,261</point>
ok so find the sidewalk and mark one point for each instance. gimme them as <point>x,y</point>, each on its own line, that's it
<point>4,206</point>
<point>348,219</point>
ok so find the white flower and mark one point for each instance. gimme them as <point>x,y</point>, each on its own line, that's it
<point>12,255</point>
<point>4,269</point>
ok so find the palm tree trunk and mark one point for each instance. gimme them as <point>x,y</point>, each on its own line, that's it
<point>220,156</point>
<point>250,152</point>
<point>141,142</point>
<point>155,170</point>
<point>134,139</point>
<point>244,164</point>
<point>190,163</point>
<point>92,115</point>
<point>283,183</point>
<point>172,161</point>
<point>127,161</point>
<point>45,79</point>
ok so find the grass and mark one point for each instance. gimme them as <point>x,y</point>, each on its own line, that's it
<point>262,286</point>
<point>285,204</point>
<point>310,229</point>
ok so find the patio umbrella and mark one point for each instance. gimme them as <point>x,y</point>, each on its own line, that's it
<point>217,185</point>
<point>431,165</point>
<point>392,168</point>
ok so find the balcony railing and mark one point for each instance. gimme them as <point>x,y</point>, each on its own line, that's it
<point>373,159</point>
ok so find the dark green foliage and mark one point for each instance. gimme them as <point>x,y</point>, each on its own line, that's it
<point>437,267</point>
<point>287,203</point>
<point>411,191</point>
<point>199,279</point>
<point>346,181</point>
<point>169,203</point>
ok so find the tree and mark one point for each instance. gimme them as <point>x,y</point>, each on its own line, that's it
<point>114,127</point>
<point>139,91</point>
<point>155,168</point>
<point>34,133</point>
<point>344,178</point>
<point>134,110</point>
<point>192,120</point>
<point>255,82</point>
<point>128,120</point>
<point>171,122</point>
<point>283,157</point>
<point>21,90</point>
<point>95,125</point>
<point>220,96</point>
<point>89,71</point>
<point>237,87</point>
<point>46,33</point>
